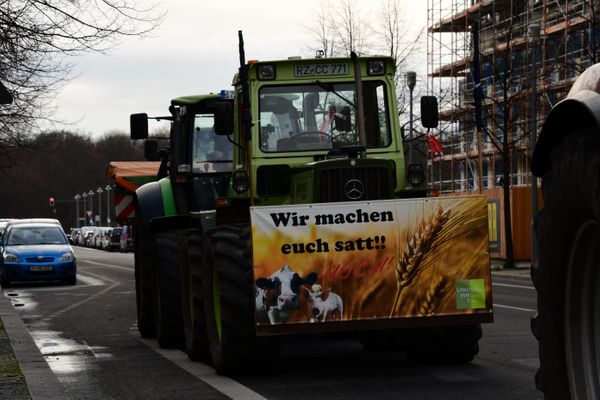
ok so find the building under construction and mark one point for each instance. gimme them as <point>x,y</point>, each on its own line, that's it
<point>525,54</point>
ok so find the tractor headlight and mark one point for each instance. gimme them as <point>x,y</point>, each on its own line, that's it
<point>376,67</point>
<point>240,182</point>
<point>266,72</point>
<point>415,175</point>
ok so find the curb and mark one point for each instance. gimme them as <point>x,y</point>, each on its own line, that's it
<point>41,381</point>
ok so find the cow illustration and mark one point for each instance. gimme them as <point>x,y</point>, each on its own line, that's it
<point>277,295</point>
<point>324,305</point>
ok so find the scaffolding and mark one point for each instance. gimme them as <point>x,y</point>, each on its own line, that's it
<point>521,79</point>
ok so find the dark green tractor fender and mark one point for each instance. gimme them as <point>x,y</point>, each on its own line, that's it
<point>155,202</point>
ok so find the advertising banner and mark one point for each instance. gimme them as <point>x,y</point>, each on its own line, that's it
<point>371,260</point>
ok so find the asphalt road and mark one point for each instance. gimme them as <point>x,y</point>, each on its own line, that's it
<point>88,335</point>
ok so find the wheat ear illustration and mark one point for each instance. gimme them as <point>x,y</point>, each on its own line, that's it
<point>430,302</point>
<point>417,248</point>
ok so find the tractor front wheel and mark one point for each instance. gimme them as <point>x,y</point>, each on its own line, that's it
<point>167,295</point>
<point>229,301</point>
<point>192,298</point>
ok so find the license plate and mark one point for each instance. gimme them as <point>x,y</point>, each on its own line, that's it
<point>322,69</point>
<point>40,268</point>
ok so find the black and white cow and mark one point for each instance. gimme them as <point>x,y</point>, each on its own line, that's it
<point>278,295</point>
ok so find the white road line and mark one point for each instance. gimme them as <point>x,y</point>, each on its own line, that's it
<point>87,299</point>
<point>513,286</point>
<point>514,308</point>
<point>90,281</point>
<point>227,386</point>
<point>107,265</point>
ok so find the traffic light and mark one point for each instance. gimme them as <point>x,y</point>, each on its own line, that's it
<point>51,201</point>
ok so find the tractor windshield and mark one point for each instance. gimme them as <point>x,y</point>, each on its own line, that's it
<point>212,153</point>
<point>321,116</point>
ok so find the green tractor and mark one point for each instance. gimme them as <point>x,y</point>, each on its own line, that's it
<point>282,207</point>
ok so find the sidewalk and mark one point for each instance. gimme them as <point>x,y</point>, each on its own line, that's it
<point>520,271</point>
<point>24,373</point>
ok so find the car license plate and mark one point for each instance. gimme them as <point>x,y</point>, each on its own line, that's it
<point>40,268</point>
<point>322,69</point>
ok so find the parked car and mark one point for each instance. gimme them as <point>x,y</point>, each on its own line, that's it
<point>126,240</point>
<point>36,251</point>
<point>98,237</point>
<point>88,239</point>
<point>105,238</point>
<point>113,239</point>
<point>82,239</point>
<point>74,235</point>
<point>3,224</point>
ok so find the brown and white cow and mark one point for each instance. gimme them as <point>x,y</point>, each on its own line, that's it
<point>324,305</point>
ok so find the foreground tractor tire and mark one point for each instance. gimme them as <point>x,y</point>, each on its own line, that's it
<point>568,276</point>
<point>144,279</point>
<point>229,302</point>
<point>192,298</point>
<point>167,295</point>
<point>443,345</point>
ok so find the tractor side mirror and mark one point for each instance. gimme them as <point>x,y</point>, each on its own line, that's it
<point>429,111</point>
<point>138,125</point>
<point>223,118</point>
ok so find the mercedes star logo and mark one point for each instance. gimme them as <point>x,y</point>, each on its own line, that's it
<point>354,189</point>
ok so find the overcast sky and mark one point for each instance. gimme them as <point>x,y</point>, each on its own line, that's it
<point>195,50</point>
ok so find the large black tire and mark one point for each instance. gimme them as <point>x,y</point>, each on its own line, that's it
<point>167,295</point>
<point>230,304</point>
<point>443,345</point>
<point>144,279</point>
<point>568,277</point>
<point>192,298</point>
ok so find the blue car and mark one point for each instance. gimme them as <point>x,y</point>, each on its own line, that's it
<point>35,252</point>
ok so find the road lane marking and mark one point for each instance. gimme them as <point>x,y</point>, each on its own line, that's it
<point>223,384</point>
<point>514,308</point>
<point>513,286</point>
<point>89,280</point>
<point>79,303</point>
<point>107,265</point>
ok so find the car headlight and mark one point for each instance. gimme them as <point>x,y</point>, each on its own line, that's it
<point>67,257</point>
<point>11,258</point>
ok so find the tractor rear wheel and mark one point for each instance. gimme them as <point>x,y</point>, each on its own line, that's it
<point>192,298</point>
<point>229,301</point>
<point>167,295</point>
<point>144,279</point>
<point>443,345</point>
<point>568,232</point>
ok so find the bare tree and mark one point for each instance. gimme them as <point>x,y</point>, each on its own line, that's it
<point>36,38</point>
<point>341,27</point>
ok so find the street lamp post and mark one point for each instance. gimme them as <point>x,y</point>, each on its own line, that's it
<point>108,189</point>
<point>99,191</point>
<point>84,196</point>
<point>91,194</point>
<point>411,81</point>
<point>77,197</point>
<point>534,39</point>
